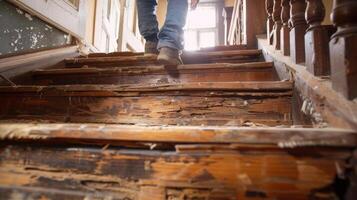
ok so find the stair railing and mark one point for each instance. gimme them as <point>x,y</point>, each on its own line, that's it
<point>325,52</point>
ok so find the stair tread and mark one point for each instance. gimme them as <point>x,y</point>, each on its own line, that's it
<point>284,137</point>
<point>188,58</point>
<point>156,68</point>
<point>262,86</point>
<point>225,72</point>
<point>209,103</point>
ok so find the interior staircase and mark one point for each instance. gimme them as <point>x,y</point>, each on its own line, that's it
<point>122,126</point>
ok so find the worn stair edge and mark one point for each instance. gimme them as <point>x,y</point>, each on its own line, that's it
<point>224,48</point>
<point>282,137</point>
<point>151,69</point>
<point>264,86</point>
<point>129,53</point>
<point>187,56</point>
<point>122,53</point>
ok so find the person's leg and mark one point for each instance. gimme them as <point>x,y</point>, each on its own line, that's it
<point>148,25</point>
<point>171,34</point>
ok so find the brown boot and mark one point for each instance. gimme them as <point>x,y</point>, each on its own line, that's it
<point>151,48</point>
<point>169,56</point>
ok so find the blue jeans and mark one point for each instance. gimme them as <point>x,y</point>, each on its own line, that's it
<point>171,34</point>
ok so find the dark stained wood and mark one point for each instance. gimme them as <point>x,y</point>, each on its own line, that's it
<point>99,134</point>
<point>277,24</point>
<point>258,71</point>
<point>297,32</point>
<point>269,5</point>
<point>217,173</point>
<point>224,48</point>
<point>317,38</point>
<point>325,105</point>
<point>232,56</point>
<point>343,48</point>
<point>115,54</point>
<point>212,103</point>
<point>254,25</point>
<point>285,29</point>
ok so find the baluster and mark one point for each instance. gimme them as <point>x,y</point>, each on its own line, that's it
<point>277,23</point>
<point>269,5</point>
<point>343,48</point>
<point>285,30</point>
<point>297,32</point>
<point>316,39</point>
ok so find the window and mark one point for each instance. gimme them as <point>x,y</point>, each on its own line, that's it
<point>201,27</point>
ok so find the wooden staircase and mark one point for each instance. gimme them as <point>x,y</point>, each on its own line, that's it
<point>122,126</point>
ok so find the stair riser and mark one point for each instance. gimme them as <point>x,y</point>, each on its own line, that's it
<point>170,77</point>
<point>144,62</point>
<point>152,110</point>
<point>132,174</point>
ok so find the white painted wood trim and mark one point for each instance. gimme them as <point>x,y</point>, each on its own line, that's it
<point>58,13</point>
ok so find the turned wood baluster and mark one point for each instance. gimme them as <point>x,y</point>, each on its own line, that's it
<point>297,32</point>
<point>316,39</point>
<point>269,5</point>
<point>315,13</point>
<point>343,48</point>
<point>285,30</point>
<point>277,23</point>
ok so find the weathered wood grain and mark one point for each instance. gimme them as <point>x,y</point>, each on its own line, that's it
<point>110,134</point>
<point>237,56</point>
<point>224,48</point>
<point>242,175</point>
<point>204,87</point>
<point>224,72</point>
<point>150,110</point>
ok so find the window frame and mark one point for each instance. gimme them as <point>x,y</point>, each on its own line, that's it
<point>210,29</point>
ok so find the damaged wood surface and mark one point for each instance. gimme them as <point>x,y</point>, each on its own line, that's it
<point>327,104</point>
<point>136,174</point>
<point>224,48</point>
<point>203,87</point>
<point>225,72</point>
<point>110,134</point>
<point>238,56</point>
<point>149,108</point>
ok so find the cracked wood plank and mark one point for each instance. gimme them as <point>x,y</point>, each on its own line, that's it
<point>260,71</point>
<point>219,87</point>
<point>239,56</point>
<point>110,134</point>
<point>218,103</point>
<point>126,172</point>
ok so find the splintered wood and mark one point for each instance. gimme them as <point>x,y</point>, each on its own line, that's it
<point>231,104</point>
<point>119,126</point>
<point>259,71</point>
<point>77,172</point>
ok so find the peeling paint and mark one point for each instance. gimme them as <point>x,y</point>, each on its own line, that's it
<point>28,17</point>
<point>20,31</point>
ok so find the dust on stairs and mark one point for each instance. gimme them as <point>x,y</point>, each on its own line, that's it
<point>122,126</point>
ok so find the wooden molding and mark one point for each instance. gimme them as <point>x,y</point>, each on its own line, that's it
<point>336,110</point>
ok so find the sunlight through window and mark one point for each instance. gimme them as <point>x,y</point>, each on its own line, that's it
<point>201,27</point>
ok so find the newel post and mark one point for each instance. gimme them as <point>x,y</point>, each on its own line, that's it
<point>317,38</point>
<point>277,23</point>
<point>285,29</point>
<point>297,32</point>
<point>269,6</point>
<point>343,48</point>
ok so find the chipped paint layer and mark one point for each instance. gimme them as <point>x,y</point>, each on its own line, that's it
<point>20,31</point>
